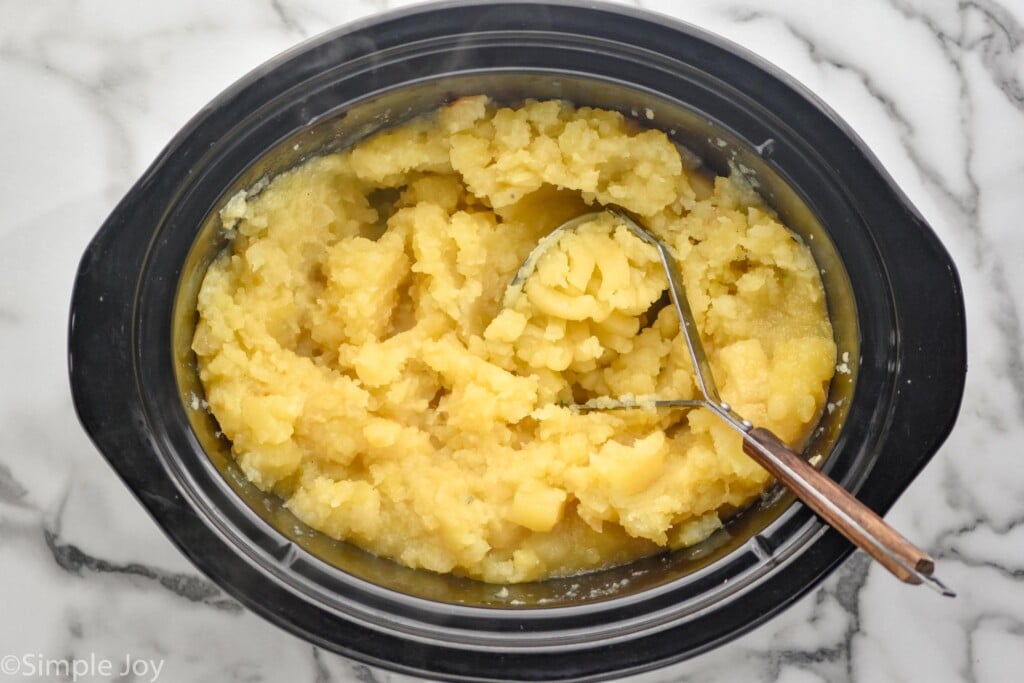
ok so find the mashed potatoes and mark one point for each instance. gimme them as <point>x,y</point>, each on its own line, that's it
<point>354,347</point>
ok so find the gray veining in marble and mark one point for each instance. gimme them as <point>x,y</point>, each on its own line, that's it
<point>91,93</point>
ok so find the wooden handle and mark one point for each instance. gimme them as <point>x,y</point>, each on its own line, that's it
<point>837,506</point>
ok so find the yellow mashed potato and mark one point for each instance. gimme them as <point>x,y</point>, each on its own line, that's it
<point>354,348</point>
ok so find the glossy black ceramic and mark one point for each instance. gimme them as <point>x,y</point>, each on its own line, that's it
<point>892,290</point>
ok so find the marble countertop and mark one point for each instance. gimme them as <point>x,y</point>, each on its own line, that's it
<point>92,92</point>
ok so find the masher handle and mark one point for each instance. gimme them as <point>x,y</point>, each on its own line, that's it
<point>839,508</point>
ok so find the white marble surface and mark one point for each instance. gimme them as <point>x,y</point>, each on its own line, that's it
<point>91,91</point>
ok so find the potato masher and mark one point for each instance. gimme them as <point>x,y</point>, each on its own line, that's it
<point>834,504</point>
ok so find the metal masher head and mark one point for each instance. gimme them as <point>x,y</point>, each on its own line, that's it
<point>702,368</point>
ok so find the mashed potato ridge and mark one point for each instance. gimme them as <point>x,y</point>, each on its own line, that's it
<point>353,345</point>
